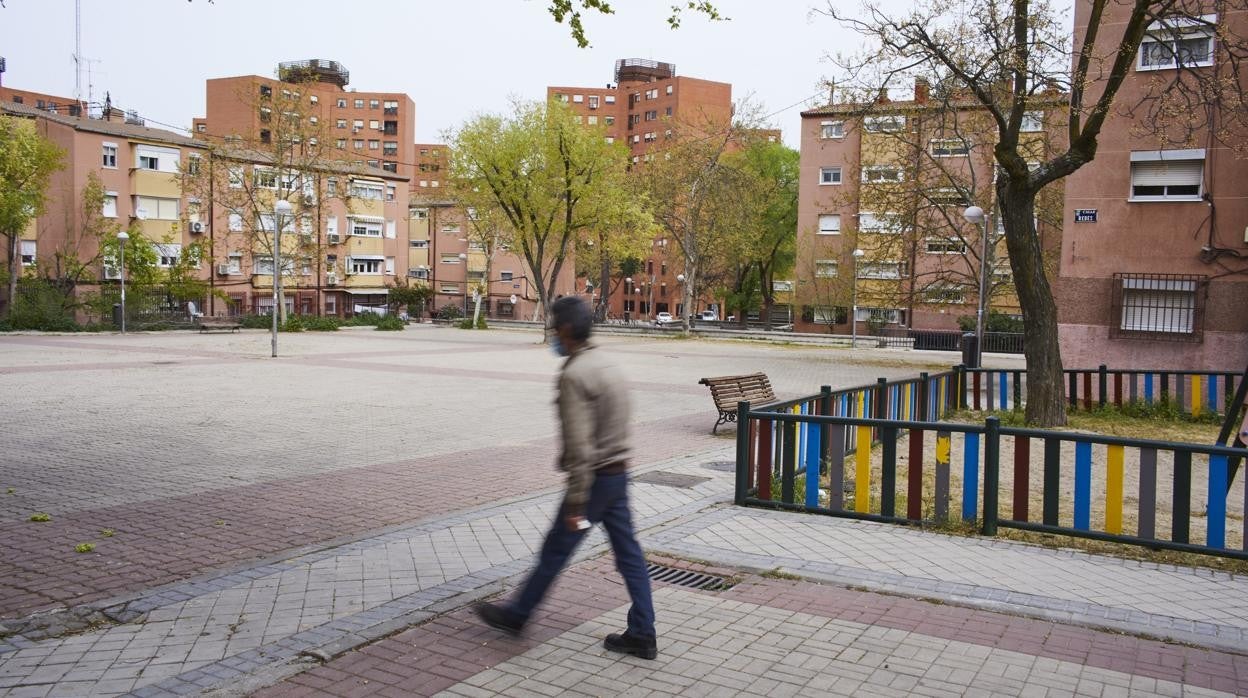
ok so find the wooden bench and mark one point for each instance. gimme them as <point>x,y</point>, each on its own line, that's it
<point>727,391</point>
<point>218,323</point>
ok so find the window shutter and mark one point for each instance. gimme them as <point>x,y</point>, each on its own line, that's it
<point>390,229</point>
<point>1163,173</point>
<point>331,225</point>
<point>28,248</point>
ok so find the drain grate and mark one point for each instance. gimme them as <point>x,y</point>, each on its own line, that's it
<point>723,466</point>
<point>687,578</point>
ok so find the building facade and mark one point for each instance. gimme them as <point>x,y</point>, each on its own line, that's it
<point>1154,266</point>
<point>882,192</point>
<point>645,106</point>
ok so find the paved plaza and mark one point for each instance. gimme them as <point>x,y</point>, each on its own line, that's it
<point>320,523</point>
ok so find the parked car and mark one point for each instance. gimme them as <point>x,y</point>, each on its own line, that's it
<point>708,315</point>
<point>663,318</point>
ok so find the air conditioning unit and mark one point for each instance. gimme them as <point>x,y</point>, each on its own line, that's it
<point>333,238</point>
<point>309,199</point>
<point>223,269</point>
<point>197,228</point>
<point>331,279</point>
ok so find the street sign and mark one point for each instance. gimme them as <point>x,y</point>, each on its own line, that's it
<point>1085,215</point>
<point>513,299</point>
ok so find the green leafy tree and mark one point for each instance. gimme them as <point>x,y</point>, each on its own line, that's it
<point>772,172</point>
<point>570,11</point>
<point>27,161</point>
<point>551,179</point>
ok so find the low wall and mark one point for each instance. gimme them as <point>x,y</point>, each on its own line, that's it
<point>1090,345</point>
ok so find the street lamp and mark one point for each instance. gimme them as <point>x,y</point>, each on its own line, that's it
<point>853,320</point>
<point>684,307</point>
<point>976,216</point>
<point>280,208</point>
<point>463,259</point>
<point>628,293</point>
<point>121,238</point>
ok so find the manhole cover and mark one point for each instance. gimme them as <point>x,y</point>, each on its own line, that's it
<point>662,477</point>
<point>687,578</point>
<point>723,466</point>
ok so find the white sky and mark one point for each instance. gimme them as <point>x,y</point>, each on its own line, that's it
<point>455,58</point>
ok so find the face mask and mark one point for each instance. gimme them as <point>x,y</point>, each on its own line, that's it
<point>557,346</point>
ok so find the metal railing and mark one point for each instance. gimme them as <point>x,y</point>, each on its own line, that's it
<point>804,455</point>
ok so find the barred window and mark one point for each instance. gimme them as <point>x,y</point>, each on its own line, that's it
<point>1158,306</point>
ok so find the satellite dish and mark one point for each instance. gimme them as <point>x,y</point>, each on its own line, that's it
<point>513,299</point>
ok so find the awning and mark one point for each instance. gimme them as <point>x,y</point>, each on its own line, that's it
<point>368,291</point>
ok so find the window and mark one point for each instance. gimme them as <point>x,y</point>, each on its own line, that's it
<point>881,270</point>
<point>419,244</point>
<point>331,186</point>
<point>448,287</point>
<point>28,252</point>
<point>265,178</point>
<point>391,106</point>
<point>832,129</point>
<point>829,223</point>
<point>359,104</point>
<point>110,155</point>
<point>390,266</point>
<point>110,205</point>
<point>593,101</point>
<point>342,103</point>
<point>881,174</point>
<point>826,268</point>
<point>390,148</point>
<point>591,120</point>
<point>450,227</point>
<point>331,305</point>
<point>357,125</point>
<point>944,293</point>
<point>341,144</point>
<point>887,316</point>
<point>505,275</point>
<point>609,99</point>
<point>314,99</point>
<point>261,264</point>
<point>340,123</point>
<point>884,124</point>
<point>608,120</point>
<point>389,166</point>
<point>365,227</point>
<point>652,115</point>
<point>1158,306</point>
<point>390,192</point>
<point>879,222</point>
<point>1033,121</point>
<point>367,190</point>
<point>420,214</point>
<point>825,314</point>
<point>829,175</point>
<point>266,91</point>
<point>156,208</point>
<point>235,223</point>
<point>374,104</point>
<point>358,144</point>
<point>418,273</point>
<point>365,265</point>
<point>947,196</point>
<point>374,124</point>
<point>450,258</point>
<point>949,147</point>
<point>1167,175</point>
<point>945,246</point>
<point>578,99</point>
<point>374,144</point>
<point>193,165</point>
<point>235,262</point>
<point>167,254</point>
<point>1178,41</point>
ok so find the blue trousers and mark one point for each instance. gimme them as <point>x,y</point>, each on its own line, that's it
<point>608,504</point>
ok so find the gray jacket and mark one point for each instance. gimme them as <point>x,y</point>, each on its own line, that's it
<point>594,419</point>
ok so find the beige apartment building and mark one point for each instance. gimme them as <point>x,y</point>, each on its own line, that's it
<point>882,191</point>
<point>1154,264</point>
<point>645,106</point>
<point>140,169</point>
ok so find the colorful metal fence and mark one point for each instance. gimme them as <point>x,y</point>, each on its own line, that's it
<point>1191,392</point>
<point>804,455</point>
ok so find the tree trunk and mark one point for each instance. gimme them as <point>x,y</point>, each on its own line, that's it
<point>13,271</point>
<point>604,287</point>
<point>1046,398</point>
<point>686,297</point>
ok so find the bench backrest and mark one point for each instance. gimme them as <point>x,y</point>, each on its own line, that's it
<point>727,391</point>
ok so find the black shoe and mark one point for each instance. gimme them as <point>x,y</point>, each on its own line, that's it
<point>646,648</point>
<point>500,618</point>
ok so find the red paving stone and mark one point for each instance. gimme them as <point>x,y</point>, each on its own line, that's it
<point>166,540</point>
<point>429,658</point>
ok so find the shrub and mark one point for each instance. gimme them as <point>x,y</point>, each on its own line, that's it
<point>257,322</point>
<point>390,323</point>
<point>294,323</point>
<point>40,306</point>
<point>466,323</point>
<point>321,324</point>
<point>450,311</point>
<point>364,319</point>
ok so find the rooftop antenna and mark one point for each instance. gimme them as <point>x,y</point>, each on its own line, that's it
<point>78,51</point>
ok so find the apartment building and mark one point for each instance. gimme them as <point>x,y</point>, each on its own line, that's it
<point>883,187</point>
<point>376,129</point>
<point>140,169</point>
<point>451,252</point>
<point>647,105</point>
<point>1154,265</point>
<point>53,104</point>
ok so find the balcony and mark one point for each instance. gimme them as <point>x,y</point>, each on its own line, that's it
<point>391,111</point>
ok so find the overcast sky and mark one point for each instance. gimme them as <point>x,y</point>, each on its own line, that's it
<point>455,58</point>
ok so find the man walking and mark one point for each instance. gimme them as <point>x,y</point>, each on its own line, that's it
<point>594,422</point>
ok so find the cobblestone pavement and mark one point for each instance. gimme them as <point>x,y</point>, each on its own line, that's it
<point>338,555</point>
<point>199,451</point>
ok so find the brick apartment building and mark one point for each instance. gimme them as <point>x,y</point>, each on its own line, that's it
<point>1154,263</point>
<point>644,107</point>
<point>891,179</point>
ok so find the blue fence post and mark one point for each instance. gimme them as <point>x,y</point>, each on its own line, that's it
<point>1215,520</point>
<point>992,468</point>
<point>743,452</point>
<point>970,474</point>
<point>1083,486</point>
